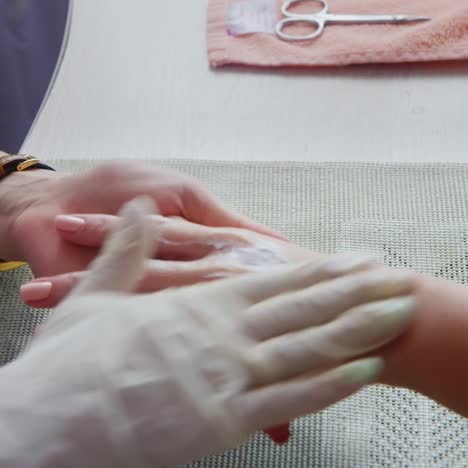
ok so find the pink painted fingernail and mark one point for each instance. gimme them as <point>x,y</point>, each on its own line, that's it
<point>69,223</point>
<point>36,291</point>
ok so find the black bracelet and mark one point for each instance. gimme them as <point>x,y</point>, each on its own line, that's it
<point>10,163</point>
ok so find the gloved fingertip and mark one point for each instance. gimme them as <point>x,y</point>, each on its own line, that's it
<point>120,265</point>
<point>131,232</point>
<point>363,372</point>
<point>141,205</point>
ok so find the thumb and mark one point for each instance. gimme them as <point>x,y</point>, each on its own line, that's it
<point>120,265</point>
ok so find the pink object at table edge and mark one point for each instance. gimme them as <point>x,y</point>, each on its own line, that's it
<point>443,38</point>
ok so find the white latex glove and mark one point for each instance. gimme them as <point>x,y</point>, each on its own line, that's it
<point>120,380</point>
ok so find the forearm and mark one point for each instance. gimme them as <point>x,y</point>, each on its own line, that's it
<point>432,357</point>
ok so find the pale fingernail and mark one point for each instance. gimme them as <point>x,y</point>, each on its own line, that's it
<point>36,291</point>
<point>385,283</point>
<point>396,313</point>
<point>355,261</point>
<point>363,372</point>
<point>69,223</point>
<point>347,263</point>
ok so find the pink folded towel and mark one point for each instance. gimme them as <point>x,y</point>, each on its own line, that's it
<point>232,38</point>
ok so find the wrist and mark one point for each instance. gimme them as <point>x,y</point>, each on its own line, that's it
<point>18,192</point>
<point>400,368</point>
<point>431,357</point>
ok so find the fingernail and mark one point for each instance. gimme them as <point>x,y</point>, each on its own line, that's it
<point>348,263</point>
<point>69,223</point>
<point>36,291</point>
<point>395,313</point>
<point>395,283</point>
<point>357,260</point>
<point>363,372</point>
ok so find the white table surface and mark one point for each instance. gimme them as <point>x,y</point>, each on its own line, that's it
<point>135,82</point>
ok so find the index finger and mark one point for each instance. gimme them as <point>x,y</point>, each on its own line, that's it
<point>259,287</point>
<point>200,206</point>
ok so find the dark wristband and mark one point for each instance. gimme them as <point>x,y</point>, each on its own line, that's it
<point>10,163</point>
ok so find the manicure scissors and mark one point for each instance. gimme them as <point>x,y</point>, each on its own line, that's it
<point>319,20</point>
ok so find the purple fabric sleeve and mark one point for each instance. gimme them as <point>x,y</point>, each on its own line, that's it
<point>31,33</point>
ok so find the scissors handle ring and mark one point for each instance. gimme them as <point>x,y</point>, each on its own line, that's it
<point>317,23</point>
<point>317,20</point>
<point>286,7</point>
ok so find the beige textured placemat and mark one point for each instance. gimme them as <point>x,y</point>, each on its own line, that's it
<point>405,215</point>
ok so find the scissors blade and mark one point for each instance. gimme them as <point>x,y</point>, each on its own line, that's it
<point>411,19</point>
<point>379,19</point>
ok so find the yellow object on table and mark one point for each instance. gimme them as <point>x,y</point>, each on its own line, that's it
<point>7,266</point>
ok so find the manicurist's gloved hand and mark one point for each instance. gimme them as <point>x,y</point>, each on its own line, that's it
<point>151,380</point>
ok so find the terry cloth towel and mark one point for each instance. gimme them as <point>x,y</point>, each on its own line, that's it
<point>242,32</point>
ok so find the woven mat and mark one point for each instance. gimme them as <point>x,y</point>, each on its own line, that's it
<point>407,215</point>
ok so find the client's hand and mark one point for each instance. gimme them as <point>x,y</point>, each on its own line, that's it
<point>127,380</point>
<point>30,201</point>
<point>188,253</point>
